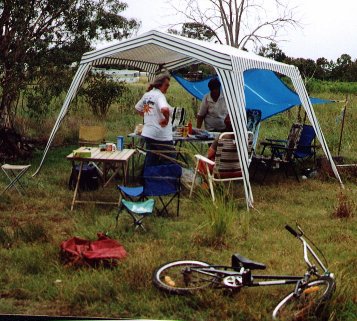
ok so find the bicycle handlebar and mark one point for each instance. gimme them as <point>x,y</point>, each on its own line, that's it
<point>291,230</point>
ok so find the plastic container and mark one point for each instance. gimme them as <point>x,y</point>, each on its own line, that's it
<point>120,143</point>
<point>185,132</point>
<point>189,128</point>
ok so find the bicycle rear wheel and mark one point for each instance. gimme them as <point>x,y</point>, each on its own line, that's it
<point>309,304</point>
<point>183,277</point>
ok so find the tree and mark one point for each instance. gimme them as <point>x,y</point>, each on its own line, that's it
<point>307,67</point>
<point>342,68</point>
<point>272,51</point>
<point>323,68</point>
<point>36,32</point>
<point>238,22</point>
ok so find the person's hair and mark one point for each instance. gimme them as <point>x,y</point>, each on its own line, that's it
<point>158,81</point>
<point>214,84</point>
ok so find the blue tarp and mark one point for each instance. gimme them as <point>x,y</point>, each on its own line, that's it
<point>262,88</point>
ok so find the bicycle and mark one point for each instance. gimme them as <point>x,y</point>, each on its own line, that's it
<point>309,298</point>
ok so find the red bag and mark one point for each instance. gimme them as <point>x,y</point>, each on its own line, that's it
<point>104,251</point>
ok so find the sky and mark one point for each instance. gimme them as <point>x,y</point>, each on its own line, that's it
<point>329,27</point>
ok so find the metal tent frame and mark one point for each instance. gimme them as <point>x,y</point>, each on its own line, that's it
<point>154,51</point>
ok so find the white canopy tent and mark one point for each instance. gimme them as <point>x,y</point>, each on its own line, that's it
<point>154,51</point>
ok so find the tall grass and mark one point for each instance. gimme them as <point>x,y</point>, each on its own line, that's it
<point>33,280</point>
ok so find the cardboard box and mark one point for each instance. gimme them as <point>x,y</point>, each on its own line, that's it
<point>82,153</point>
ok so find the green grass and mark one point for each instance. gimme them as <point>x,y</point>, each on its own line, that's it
<point>34,281</point>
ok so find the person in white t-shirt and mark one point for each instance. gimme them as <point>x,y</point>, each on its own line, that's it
<point>157,130</point>
<point>213,109</point>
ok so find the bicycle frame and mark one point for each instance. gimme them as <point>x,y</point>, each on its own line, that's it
<point>244,277</point>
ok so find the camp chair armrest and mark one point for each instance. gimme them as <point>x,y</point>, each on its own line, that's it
<point>271,144</point>
<point>279,147</point>
<point>271,140</point>
<point>204,159</point>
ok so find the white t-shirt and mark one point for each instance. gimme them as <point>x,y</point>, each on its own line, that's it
<point>213,112</point>
<point>151,104</point>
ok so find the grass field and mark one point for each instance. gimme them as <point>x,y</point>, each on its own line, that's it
<point>34,281</point>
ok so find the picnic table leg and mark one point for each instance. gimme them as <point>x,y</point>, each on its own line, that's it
<point>77,185</point>
<point>125,170</point>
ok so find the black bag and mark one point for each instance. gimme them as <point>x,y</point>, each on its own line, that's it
<point>89,178</point>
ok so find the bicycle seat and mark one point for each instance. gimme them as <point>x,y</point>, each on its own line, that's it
<point>239,261</point>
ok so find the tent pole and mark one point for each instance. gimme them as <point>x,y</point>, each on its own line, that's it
<point>342,126</point>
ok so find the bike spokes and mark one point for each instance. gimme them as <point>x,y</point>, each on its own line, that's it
<point>306,305</point>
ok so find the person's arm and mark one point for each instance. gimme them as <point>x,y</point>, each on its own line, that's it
<point>166,113</point>
<point>164,109</point>
<point>199,121</point>
<point>202,112</point>
<point>139,107</point>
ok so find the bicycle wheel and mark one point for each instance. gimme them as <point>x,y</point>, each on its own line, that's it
<point>183,277</point>
<point>309,304</point>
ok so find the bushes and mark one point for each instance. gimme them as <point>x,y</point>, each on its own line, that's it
<point>101,93</point>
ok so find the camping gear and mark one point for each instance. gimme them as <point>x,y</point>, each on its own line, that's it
<point>162,181</point>
<point>91,135</point>
<point>155,51</point>
<point>120,143</point>
<point>178,117</point>
<point>263,90</point>
<point>137,210</point>
<point>226,166</point>
<point>80,252</point>
<point>306,149</point>
<point>281,153</point>
<point>89,178</point>
<point>82,153</point>
<point>110,147</point>
<point>112,163</point>
<point>14,173</point>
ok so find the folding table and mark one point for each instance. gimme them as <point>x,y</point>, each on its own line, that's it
<point>107,158</point>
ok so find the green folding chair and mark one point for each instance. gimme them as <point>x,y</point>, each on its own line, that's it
<point>137,210</point>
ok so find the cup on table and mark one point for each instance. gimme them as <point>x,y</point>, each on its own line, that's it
<point>120,143</point>
<point>138,129</point>
<point>111,147</point>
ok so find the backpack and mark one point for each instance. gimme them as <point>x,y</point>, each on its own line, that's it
<point>89,178</point>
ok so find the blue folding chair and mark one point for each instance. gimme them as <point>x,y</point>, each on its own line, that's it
<point>306,149</point>
<point>162,181</point>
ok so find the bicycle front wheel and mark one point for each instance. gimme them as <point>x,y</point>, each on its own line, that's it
<point>183,277</point>
<point>308,304</point>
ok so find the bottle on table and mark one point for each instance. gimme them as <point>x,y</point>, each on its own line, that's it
<point>189,127</point>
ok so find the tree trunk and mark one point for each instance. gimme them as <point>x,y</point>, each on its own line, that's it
<point>11,84</point>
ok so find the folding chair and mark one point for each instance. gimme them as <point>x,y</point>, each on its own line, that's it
<point>282,153</point>
<point>306,149</point>
<point>161,181</point>
<point>178,117</point>
<point>137,210</point>
<point>90,135</point>
<point>253,123</point>
<point>14,174</point>
<point>226,165</point>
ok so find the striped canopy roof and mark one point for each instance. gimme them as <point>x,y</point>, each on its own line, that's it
<point>154,50</point>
